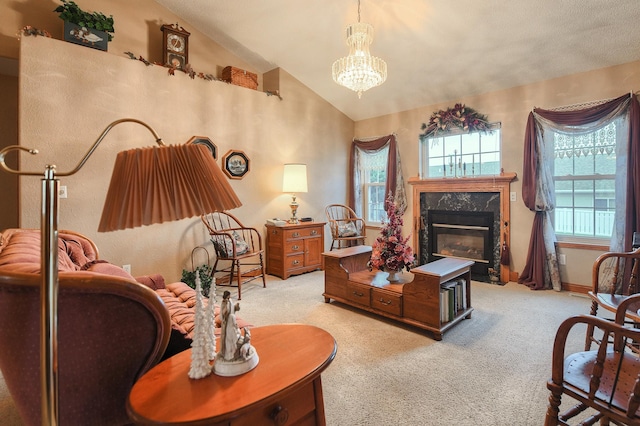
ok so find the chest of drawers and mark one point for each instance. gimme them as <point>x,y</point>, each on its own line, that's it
<point>294,248</point>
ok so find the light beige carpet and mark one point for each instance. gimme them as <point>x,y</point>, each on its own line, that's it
<point>489,370</point>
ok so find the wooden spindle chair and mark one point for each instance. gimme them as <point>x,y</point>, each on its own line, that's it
<point>347,229</point>
<point>237,244</point>
<point>606,381</point>
<point>614,279</point>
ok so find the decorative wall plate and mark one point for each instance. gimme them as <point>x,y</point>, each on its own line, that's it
<point>235,164</point>
<point>203,140</point>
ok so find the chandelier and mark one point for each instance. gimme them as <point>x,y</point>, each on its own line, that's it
<point>359,71</point>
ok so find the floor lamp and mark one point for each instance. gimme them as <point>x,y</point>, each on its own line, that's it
<point>149,185</point>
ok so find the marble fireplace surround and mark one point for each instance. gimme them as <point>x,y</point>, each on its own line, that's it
<point>479,193</point>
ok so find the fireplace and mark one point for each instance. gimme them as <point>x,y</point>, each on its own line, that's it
<point>463,235</point>
<point>467,225</point>
<point>489,194</point>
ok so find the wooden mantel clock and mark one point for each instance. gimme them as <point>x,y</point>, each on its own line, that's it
<point>175,46</point>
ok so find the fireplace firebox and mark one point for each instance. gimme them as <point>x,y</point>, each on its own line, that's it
<point>463,235</point>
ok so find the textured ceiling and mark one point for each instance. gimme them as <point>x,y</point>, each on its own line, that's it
<point>436,50</point>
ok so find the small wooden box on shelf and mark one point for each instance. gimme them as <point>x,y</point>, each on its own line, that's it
<point>293,249</point>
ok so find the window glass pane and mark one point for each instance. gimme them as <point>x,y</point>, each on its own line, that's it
<point>563,166</point>
<point>375,203</point>
<point>466,154</point>
<point>490,163</point>
<point>436,146</point>
<point>583,193</point>
<point>605,164</point>
<point>490,142</point>
<point>564,193</point>
<point>471,142</point>
<point>585,167</point>
<point>375,177</point>
<point>437,166</point>
<point>452,145</point>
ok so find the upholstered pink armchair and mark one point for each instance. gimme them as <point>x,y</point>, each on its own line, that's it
<point>111,331</point>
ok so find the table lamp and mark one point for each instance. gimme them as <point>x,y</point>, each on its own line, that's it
<point>294,179</point>
<point>149,185</point>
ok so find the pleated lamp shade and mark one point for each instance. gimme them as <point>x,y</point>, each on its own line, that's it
<point>164,183</point>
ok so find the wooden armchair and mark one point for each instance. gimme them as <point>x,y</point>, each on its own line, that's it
<point>606,380</point>
<point>614,278</point>
<point>237,244</point>
<point>346,228</point>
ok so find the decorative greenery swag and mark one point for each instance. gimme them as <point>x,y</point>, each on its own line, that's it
<point>459,117</point>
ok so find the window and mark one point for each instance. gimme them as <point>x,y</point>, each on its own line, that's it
<point>466,154</point>
<point>374,167</point>
<point>584,173</point>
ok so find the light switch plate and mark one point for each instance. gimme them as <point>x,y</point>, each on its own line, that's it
<point>513,196</point>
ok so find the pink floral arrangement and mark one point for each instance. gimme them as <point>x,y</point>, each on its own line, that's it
<point>390,250</point>
<point>459,117</point>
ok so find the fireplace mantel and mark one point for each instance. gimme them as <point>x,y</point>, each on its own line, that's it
<point>498,184</point>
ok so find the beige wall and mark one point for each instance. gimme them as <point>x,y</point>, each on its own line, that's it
<point>511,107</point>
<point>69,93</point>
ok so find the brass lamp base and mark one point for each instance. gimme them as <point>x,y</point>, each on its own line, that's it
<point>294,210</point>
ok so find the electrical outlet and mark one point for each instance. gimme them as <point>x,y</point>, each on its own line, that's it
<point>127,268</point>
<point>562,259</point>
<point>62,191</point>
<point>513,196</point>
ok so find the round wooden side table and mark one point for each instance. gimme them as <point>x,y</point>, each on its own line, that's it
<point>285,387</point>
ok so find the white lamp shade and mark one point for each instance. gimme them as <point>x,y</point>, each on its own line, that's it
<point>294,179</point>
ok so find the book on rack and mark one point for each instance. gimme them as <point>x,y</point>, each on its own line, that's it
<point>453,298</point>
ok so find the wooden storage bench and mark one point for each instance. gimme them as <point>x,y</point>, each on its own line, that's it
<point>415,299</point>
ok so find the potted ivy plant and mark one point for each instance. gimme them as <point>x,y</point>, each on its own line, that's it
<point>204,272</point>
<point>92,29</point>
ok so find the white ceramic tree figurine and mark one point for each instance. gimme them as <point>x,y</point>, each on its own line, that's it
<point>200,366</point>
<point>210,321</point>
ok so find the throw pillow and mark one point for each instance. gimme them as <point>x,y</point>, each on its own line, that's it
<point>154,282</point>
<point>226,247</point>
<point>347,230</point>
<point>104,267</point>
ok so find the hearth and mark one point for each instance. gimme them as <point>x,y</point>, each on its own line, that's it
<point>463,235</point>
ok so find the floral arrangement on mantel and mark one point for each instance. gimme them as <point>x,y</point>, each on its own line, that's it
<point>459,117</point>
<point>390,251</point>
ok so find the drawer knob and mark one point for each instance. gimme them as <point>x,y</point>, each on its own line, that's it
<point>296,234</point>
<point>314,232</point>
<point>296,247</point>
<point>385,302</point>
<point>280,415</point>
<point>295,262</point>
<point>356,293</point>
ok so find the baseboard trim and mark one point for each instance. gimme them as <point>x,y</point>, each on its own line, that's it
<point>576,288</point>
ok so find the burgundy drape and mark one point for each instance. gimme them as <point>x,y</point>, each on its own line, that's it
<point>533,272</point>
<point>633,176</point>
<point>374,145</point>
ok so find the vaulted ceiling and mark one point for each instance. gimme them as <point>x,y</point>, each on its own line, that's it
<point>436,50</point>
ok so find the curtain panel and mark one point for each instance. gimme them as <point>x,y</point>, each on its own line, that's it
<point>395,181</point>
<point>541,259</point>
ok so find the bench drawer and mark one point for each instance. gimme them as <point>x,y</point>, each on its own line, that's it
<point>359,293</point>
<point>386,301</point>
